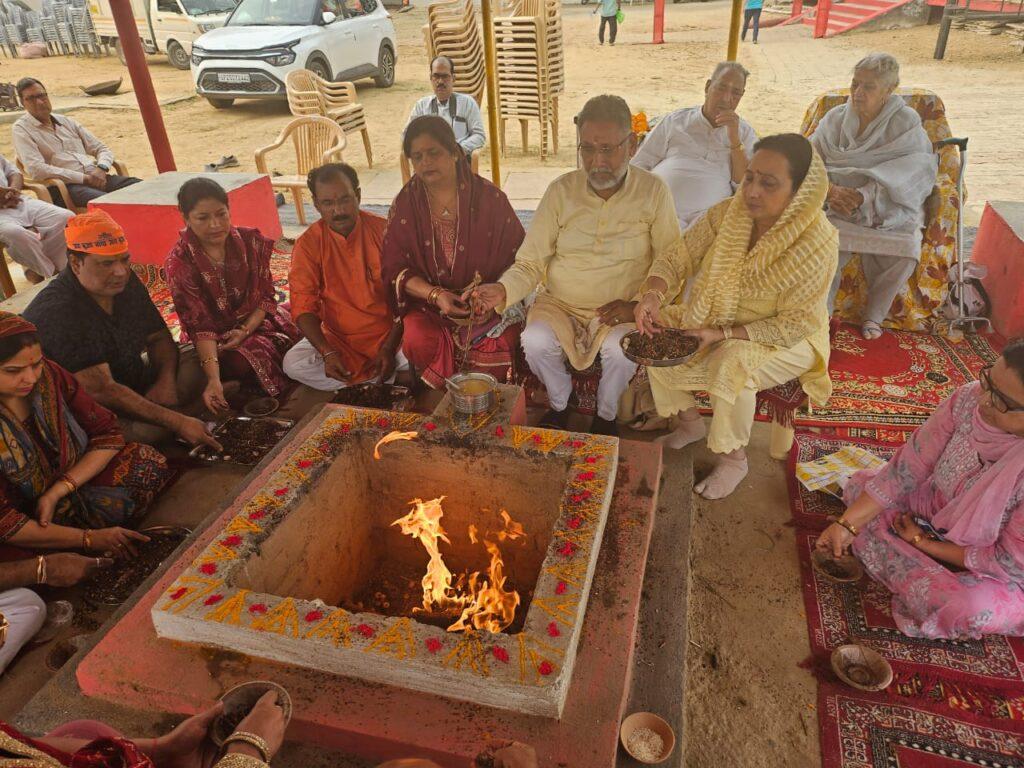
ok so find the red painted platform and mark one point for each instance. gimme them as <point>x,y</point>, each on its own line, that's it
<point>999,245</point>
<point>148,211</point>
<point>133,668</point>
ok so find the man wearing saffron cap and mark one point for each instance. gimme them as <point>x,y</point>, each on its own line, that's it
<point>96,319</point>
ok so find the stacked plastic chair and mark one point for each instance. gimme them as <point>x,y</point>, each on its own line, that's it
<point>452,30</point>
<point>531,69</point>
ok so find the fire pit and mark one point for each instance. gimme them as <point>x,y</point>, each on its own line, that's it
<point>458,565</point>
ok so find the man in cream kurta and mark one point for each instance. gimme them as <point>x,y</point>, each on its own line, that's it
<point>594,236</point>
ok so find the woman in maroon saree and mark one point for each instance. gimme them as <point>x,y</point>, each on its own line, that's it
<point>220,280</point>
<point>448,229</point>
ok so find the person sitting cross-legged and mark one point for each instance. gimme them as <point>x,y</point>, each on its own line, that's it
<point>97,320</point>
<point>53,147</point>
<point>593,238</point>
<point>757,268</point>
<point>220,279</point>
<point>338,296</point>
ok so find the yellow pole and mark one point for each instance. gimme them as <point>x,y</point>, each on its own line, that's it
<point>734,29</point>
<point>491,63</point>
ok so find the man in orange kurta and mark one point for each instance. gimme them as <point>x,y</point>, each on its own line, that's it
<point>338,298</point>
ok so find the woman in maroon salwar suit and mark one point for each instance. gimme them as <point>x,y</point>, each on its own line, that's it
<point>223,291</point>
<point>449,228</point>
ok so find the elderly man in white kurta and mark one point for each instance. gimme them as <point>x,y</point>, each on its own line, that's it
<point>702,152</point>
<point>881,169</point>
<point>594,236</point>
<point>32,230</point>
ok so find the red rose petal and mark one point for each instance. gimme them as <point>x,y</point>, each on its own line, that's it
<point>584,476</point>
<point>213,599</point>
<point>305,464</point>
<point>537,439</point>
<point>591,459</point>
<point>577,443</point>
<point>346,428</point>
<point>500,654</point>
<point>586,494</point>
<point>433,644</point>
<point>499,431</point>
<point>545,668</point>
<point>383,423</point>
<point>567,549</point>
<point>553,629</point>
<point>208,568</point>
<point>281,491</point>
<point>232,541</point>
<point>258,608</point>
<point>325,447</point>
<point>257,515</point>
<point>179,593</point>
<point>561,587</point>
<point>365,630</point>
<point>314,616</point>
<point>430,427</point>
<point>575,522</point>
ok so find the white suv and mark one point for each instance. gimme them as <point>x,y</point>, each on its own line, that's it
<point>263,40</point>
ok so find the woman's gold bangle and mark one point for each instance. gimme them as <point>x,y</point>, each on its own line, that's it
<point>86,540</point>
<point>848,526</point>
<point>254,741</point>
<point>917,538</point>
<point>210,360</point>
<point>727,332</point>
<point>41,570</point>
<point>656,292</point>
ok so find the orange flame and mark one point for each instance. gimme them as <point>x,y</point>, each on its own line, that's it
<point>484,602</point>
<point>390,437</point>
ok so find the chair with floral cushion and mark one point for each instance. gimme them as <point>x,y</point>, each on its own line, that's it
<point>916,307</point>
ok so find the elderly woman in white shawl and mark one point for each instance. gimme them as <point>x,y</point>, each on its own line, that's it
<point>882,169</point>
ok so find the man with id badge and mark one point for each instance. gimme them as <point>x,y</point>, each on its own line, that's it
<point>458,109</point>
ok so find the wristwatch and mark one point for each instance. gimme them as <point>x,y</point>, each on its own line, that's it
<point>103,167</point>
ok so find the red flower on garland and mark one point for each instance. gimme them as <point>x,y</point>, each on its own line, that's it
<point>499,431</point>
<point>258,608</point>
<point>545,668</point>
<point>208,568</point>
<point>314,616</point>
<point>281,491</point>
<point>568,549</point>
<point>178,593</point>
<point>553,629</point>
<point>305,464</point>
<point>584,476</point>
<point>365,630</point>
<point>433,644</point>
<point>232,541</point>
<point>383,423</point>
<point>430,427</point>
<point>500,654</point>
<point>213,599</point>
<point>591,459</point>
<point>561,587</point>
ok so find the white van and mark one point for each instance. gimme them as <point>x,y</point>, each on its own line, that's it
<point>165,26</point>
<point>263,40</point>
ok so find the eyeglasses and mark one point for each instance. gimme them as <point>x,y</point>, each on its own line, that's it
<point>588,150</point>
<point>440,77</point>
<point>999,401</point>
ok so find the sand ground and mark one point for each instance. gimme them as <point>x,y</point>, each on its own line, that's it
<point>748,704</point>
<point>977,82</point>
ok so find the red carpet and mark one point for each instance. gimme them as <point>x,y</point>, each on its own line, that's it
<point>899,379</point>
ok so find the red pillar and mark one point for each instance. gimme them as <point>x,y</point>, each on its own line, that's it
<point>659,22</point>
<point>128,34</point>
<point>821,17</point>
<point>798,8</point>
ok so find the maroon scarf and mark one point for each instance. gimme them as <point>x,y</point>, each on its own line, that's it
<point>489,234</point>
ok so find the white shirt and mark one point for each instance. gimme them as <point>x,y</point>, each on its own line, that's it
<point>467,123</point>
<point>64,150</point>
<point>693,158</point>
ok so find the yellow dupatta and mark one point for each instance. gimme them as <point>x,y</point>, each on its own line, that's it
<point>778,290</point>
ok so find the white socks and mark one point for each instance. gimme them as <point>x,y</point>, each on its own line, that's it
<point>688,431</point>
<point>724,478</point>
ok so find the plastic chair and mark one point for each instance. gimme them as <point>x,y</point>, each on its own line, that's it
<point>310,94</point>
<point>316,140</point>
<point>42,187</point>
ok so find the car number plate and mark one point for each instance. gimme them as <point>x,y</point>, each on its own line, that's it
<point>233,77</point>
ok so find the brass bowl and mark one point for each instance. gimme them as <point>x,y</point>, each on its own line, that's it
<point>633,338</point>
<point>239,701</point>
<point>471,404</point>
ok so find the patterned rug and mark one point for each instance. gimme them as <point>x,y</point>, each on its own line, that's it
<point>152,277</point>
<point>899,379</point>
<point>811,509</point>
<point>862,730</point>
